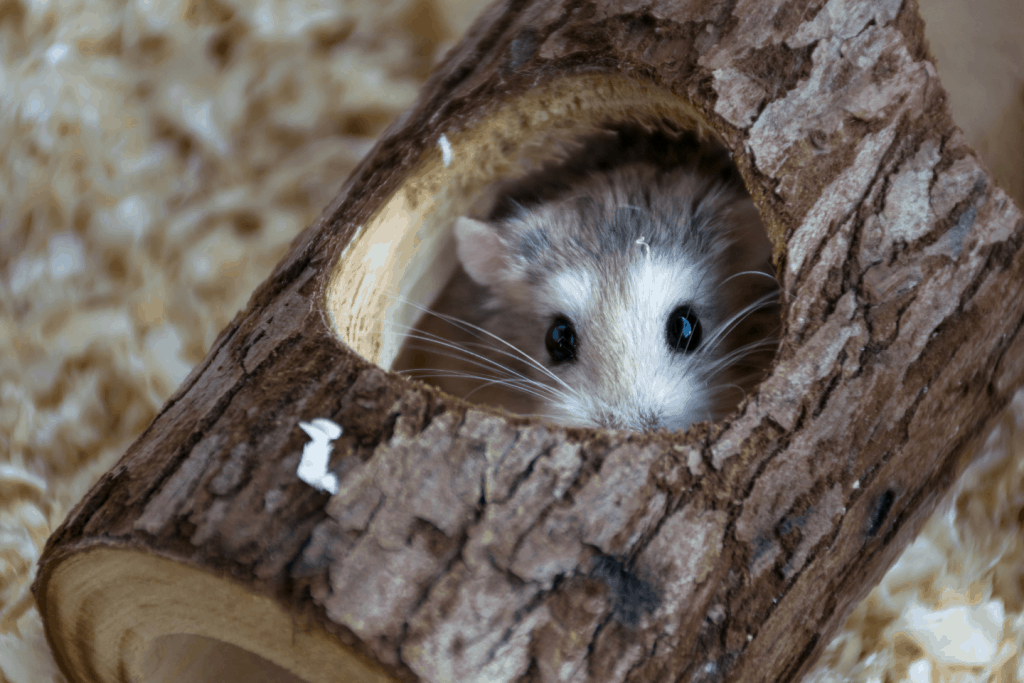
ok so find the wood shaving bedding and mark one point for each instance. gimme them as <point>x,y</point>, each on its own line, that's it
<point>157,159</point>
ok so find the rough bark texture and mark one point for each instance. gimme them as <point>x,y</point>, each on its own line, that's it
<point>464,545</point>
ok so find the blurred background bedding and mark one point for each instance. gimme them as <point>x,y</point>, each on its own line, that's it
<point>158,156</point>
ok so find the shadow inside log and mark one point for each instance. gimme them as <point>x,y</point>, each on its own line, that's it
<point>639,242</point>
<point>401,281</point>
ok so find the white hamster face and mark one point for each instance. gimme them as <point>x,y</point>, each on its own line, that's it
<point>640,344</point>
<point>627,295</point>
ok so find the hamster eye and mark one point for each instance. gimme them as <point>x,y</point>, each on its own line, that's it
<point>561,341</point>
<point>683,330</point>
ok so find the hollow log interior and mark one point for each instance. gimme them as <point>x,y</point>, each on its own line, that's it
<point>401,259</point>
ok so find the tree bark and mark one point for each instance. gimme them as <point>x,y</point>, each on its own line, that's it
<point>465,544</point>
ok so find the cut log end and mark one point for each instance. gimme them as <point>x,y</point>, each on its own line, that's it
<point>118,615</point>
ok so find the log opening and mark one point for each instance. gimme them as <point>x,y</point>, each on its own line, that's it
<point>403,256</point>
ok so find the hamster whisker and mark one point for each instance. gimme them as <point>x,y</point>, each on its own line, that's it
<point>519,386</point>
<point>462,349</point>
<point>746,349</point>
<point>488,381</point>
<point>752,272</point>
<point>708,371</point>
<point>467,356</point>
<point>481,361</point>
<point>730,359</point>
<point>729,325</point>
<point>718,389</point>
<point>472,329</point>
<point>509,377</point>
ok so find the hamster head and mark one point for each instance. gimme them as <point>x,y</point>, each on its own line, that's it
<point>630,294</point>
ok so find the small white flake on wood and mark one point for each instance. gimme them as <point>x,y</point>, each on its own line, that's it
<point>316,455</point>
<point>446,150</point>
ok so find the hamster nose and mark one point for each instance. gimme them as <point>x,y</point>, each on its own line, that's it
<point>642,422</point>
<point>647,422</point>
<point>609,420</point>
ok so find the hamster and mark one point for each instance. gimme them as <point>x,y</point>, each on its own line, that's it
<point>628,287</point>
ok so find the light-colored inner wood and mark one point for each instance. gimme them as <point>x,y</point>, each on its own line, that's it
<point>121,615</point>
<point>182,657</point>
<point>402,257</point>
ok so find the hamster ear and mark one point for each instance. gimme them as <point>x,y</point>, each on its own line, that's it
<point>480,250</point>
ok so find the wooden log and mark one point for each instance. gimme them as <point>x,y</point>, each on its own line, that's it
<point>465,544</point>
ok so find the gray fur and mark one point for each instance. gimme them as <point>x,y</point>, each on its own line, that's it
<point>581,254</point>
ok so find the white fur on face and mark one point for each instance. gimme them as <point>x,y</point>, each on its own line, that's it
<point>625,374</point>
<point>616,253</point>
<point>574,292</point>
